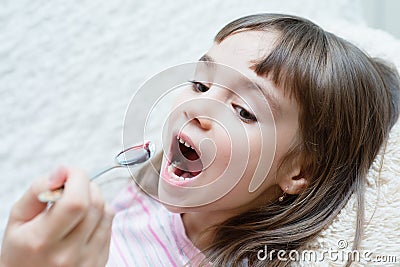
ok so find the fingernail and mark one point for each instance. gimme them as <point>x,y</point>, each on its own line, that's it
<point>54,175</point>
<point>57,175</point>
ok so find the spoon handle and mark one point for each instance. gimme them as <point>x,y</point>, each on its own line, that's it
<point>128,157</point>
<point>104,171</point>
<point>52,196</point>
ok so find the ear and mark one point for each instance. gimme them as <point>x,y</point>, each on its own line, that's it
<point>294,181</point>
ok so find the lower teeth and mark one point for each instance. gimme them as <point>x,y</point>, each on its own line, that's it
<point>176,177</point>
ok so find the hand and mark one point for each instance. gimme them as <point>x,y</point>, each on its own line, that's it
<point>75,231</point>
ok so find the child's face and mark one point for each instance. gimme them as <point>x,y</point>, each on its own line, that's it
<point>238,132</point>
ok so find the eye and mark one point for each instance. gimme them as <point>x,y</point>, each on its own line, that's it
<point>244,115</point>
<point>199,87</point>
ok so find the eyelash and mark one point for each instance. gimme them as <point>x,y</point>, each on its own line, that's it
<point>196,85</point>
<point>247,117</point>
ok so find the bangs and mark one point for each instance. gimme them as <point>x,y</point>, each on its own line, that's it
<point>299,56</point>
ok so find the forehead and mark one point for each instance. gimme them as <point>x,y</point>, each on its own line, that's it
<point>242,49</point>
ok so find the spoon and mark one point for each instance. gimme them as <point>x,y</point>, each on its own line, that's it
<point>129,157</point>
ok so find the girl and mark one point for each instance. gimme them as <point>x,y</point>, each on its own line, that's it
<point>332,108</point>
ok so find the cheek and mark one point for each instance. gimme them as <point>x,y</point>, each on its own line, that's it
<point>178,107</point>
<point>224,145</point>
<point>286,138</point>
<point>260,161</point>
<point>184,94</point>
<point>217,152</point>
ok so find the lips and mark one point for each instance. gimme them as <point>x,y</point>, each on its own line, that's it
<point>183,163</point>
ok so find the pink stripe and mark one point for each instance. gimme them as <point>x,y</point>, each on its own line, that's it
<point>124,231</point>
<point>119,250</point>
<point>154,234</point>
<point>134,244</point>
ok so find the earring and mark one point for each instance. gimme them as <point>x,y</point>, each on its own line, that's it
<point>281,198</point>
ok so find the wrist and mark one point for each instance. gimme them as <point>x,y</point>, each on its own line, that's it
<point>2,264</point>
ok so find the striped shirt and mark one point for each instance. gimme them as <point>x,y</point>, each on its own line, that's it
<point>145,233</point>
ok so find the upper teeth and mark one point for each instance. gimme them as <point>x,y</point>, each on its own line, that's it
<point>183,142</point>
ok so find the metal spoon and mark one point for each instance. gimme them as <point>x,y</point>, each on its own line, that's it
<point>128,157</point>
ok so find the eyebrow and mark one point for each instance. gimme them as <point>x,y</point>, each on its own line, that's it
<point>209,61</point>
<point>272,100</point>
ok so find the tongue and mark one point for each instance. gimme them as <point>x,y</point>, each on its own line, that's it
<point>185,173</point>
<point>191,166</point>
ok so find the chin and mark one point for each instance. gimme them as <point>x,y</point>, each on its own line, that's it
<point>176,209</point>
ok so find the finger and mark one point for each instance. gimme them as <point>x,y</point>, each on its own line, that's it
<point>58,178</point>
<point>102,260</point>
<point>84,230</point>
<point>70,209</point>
<point>101,239</point>
<point>28,206</point>
<point>102,234</point>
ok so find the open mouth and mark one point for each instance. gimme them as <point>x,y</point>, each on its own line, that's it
<point>184,163</point>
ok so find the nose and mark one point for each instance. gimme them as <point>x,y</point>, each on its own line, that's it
<point>202,122</point>
<point>206,108</point>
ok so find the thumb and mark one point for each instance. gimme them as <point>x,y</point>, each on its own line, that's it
<point>28,206</point>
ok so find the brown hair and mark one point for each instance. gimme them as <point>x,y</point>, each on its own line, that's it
<point>348,103</point>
